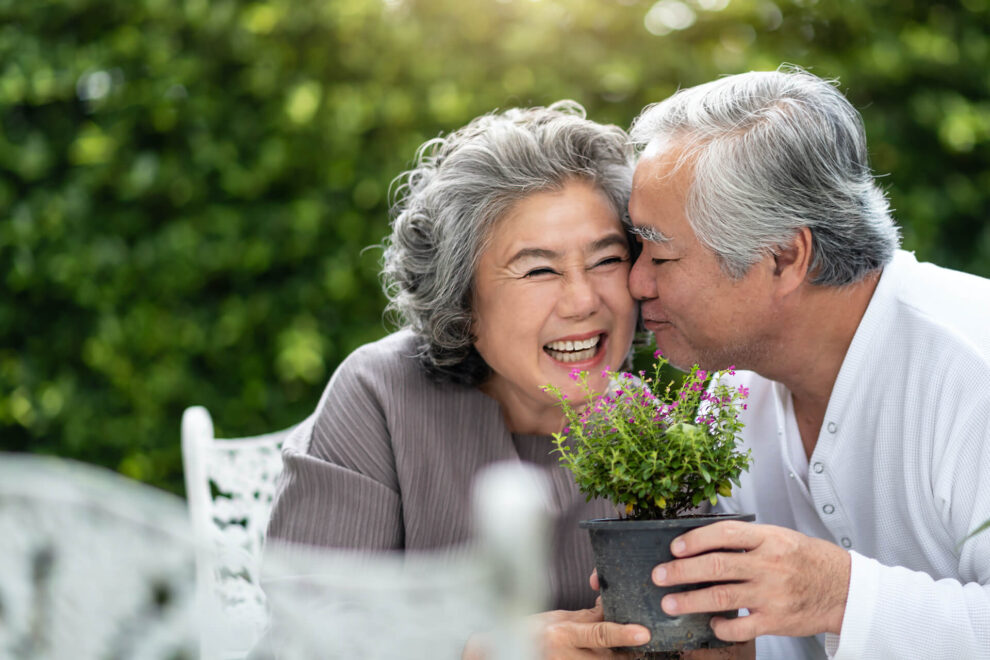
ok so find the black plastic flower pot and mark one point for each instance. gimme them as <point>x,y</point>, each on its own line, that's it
<point>625,553</point>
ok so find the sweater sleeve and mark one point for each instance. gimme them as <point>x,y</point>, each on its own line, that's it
<point>338,486</point>
<point>892,612</point>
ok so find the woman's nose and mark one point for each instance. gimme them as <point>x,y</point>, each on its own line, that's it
<point>642,283</point>
<point>580,299</point>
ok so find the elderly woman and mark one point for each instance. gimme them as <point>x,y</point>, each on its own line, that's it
<point>508,263</point>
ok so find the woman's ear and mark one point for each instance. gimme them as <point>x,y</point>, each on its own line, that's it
<point>792,262</point>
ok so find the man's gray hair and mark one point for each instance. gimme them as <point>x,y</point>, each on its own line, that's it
<point>773,152</point>
<point>445,208</point>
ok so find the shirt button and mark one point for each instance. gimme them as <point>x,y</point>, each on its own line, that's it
<point>790,474</point>
<point>846,542</point>
<point>828,508</point>
<point>819,467</point>
<point>832,428</point>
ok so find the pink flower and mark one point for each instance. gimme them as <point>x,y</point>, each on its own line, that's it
<point>702,373</point>
<point>574,375</point>
<point>657,353</point>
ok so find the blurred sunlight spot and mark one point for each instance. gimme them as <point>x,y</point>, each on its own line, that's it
<point>773,18</point>
<point>136,466</point>
<point>52,401</point>
<point>35,158</point>
<point>20,408</point>
<point>303,101</point>
<point>143,173</point>
<point>668,15</point>
<point>962,124</point>
<point>738,38</point>
<point>93,85</point>
<point>260,18</point>
<point>957,133</point>
<point>43,83</point>
<point>301,350</point>
<point>13,85</point>
<point>712,5</point>
<point>92,146</point>
<point>618,82</point>
<point>446,104</point>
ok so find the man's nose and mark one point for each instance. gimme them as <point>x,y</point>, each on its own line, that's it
<point>642,283</point>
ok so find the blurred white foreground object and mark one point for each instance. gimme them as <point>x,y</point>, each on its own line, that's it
<point>421,605</point>
<point>92,565</point>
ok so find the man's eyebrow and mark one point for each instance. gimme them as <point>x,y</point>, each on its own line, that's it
<point>533,253</point>
<point>650,234</point>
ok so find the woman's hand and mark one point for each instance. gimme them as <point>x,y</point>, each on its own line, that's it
<point>565,634</point>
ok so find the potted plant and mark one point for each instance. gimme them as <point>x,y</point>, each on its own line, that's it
<point>657,451</point>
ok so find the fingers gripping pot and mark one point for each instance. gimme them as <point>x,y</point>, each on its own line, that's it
<point>625,553</point>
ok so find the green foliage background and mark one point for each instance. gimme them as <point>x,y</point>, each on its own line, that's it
<point>186,186</point>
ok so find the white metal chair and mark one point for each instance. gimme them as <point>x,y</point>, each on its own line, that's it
<point>92,565</point>
<point>230,486</point>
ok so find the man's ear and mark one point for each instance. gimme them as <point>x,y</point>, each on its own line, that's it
<point>793,261</point>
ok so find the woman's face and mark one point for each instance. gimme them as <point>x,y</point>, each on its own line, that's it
<point>551,295</point>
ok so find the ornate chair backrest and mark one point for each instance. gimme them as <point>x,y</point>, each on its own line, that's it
<point>92,565</point>
<point>230,486</point>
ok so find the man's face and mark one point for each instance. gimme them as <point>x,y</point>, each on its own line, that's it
<point>698,313</point>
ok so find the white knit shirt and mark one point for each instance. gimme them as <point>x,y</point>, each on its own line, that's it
<point>900,473</point>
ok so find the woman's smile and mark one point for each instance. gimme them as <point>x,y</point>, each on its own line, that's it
<point>574,351</point>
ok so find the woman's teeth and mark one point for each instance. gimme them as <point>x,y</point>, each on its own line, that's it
<point>573,351</point>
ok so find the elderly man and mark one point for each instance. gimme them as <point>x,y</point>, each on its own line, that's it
<point>768,245</point>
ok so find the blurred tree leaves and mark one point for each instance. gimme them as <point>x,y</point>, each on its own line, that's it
<point>186,186</point>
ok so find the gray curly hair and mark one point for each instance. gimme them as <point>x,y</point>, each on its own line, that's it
<point>773,152</point>
<point>446,206</point>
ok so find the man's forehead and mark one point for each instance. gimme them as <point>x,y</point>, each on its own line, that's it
<point>658,145</point>
<point>664,157</point>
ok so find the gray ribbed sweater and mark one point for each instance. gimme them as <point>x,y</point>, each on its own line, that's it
<point>387,460</point>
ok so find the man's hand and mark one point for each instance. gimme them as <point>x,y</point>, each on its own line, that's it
<point>791,584</point>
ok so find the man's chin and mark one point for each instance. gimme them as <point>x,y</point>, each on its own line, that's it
<point>679,356</point>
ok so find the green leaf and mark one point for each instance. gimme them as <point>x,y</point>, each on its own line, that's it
<point>985,526</point>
